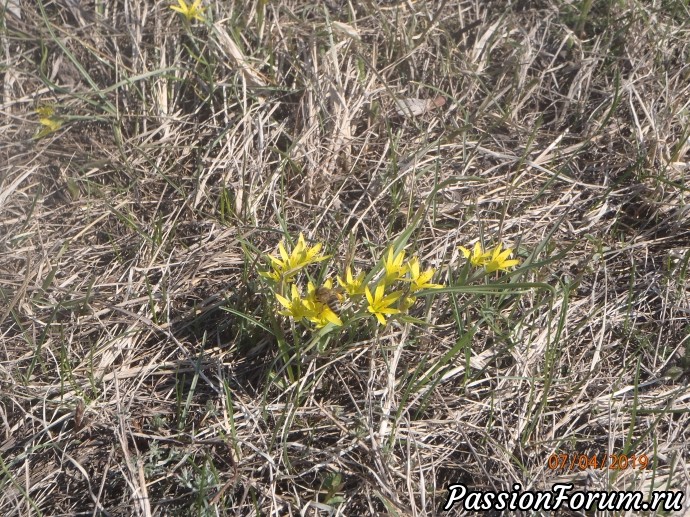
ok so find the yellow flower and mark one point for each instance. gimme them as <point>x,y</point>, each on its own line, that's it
<point>307,255</point>
<point>288,265</point>
<point>420,280</point>
<point>191,12</point>
<point>324,317</point>
<point>395,269</point>
<point>320,313</point>
<point>49,122</point>
<point>380,304</point>
<point>353,286</point>
<point>295,307</point>
<point>45,111</point>
<point>478,257</point>
<point>499,260</point>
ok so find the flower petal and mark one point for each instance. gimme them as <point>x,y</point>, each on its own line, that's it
<point>378,296</point>
<point>283,301</point>
<point>510,263</point>
<point>332,317</point>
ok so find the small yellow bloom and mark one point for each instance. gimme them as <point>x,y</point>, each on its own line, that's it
<point>191,12</point>
<point>45,111</point>
<point>49,122</point>
<point>420,280</point>
<point>499,260</point>
<point>353,286</point>
<point>295,307</point>
<point>288,265</point>
<point>309,255</point>
<point>320,313</point>
<point>395,269</point>
<point>324,317</point>
<point>380,304</point>
<point>478,257</point>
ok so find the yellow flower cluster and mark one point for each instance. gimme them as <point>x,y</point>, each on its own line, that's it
<point>393,292</point>
<point>397,270</point>
<point>495,260</point>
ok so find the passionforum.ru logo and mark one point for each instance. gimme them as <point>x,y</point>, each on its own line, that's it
<point>560,497</point>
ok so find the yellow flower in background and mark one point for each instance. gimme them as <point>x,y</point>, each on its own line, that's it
<point>191,12</point>
<point>354,286</point>
<point>477,257</point>
<point>395,269</point>
<point>420,280</point>
<point>49,121</point>
<point>45,112</point>
<point>499,260</point>
<point>495,260</point>
<point>380,303</point>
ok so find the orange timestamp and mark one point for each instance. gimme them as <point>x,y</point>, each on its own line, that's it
<point>577,461</point>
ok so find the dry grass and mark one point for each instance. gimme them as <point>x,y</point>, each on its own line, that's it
<point>140,366</point>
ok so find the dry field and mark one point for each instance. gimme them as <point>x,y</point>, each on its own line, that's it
<point>150,164</point>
